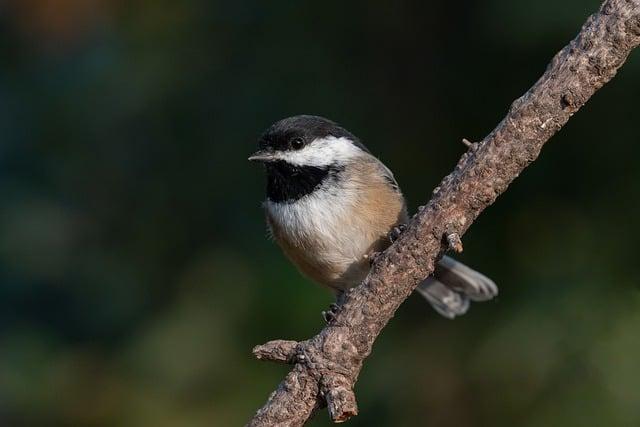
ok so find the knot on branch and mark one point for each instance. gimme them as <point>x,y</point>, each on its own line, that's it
<point>340,398</point>
<point>283,351</point>
<point>336,362</point>
<point>472,146</point>
<point>454,242</point>
<point>567,100</point>
<point>333,363</point>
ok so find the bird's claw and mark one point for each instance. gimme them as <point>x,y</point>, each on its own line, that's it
<point>330,315</point>
<point>396,231</point>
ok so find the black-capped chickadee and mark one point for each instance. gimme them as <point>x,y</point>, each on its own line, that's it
<point>331,204</point>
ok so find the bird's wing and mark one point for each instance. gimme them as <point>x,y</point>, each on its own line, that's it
<point>388,175</point>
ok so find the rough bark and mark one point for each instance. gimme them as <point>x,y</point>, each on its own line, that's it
<point>327,365</point>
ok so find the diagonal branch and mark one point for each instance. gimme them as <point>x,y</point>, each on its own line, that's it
<point>327,366</point>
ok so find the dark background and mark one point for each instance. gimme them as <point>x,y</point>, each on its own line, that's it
<point>135,272</point>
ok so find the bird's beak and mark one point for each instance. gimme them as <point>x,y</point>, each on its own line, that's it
<point>262,156</point>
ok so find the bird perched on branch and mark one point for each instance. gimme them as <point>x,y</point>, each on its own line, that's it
<point>331,204</point>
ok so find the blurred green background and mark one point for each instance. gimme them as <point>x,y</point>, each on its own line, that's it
<point>135,272</point>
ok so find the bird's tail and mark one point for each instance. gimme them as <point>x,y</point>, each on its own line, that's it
<point>453,285</point>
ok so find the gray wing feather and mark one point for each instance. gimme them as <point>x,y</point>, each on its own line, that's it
<point>388,175</point>
<point>452,287</point>
<point>445,301</point>
<point>461,278</point>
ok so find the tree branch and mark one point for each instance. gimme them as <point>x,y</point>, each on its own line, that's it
<point>327,366</point>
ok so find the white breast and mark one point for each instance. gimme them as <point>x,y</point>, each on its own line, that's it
<point>324,223</point>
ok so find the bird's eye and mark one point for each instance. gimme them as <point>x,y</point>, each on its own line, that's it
<point>297,143</point>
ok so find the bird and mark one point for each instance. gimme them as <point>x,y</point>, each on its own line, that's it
<point>331,205</point>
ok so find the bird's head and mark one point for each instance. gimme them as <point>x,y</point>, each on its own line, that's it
<point>307,141</point>
<point>301,153</point>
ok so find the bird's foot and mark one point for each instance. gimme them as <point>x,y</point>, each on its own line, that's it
<point>330,314</point>
<point>396,231</point>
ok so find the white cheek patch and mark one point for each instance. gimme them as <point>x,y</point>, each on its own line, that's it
<point>322,152</point>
